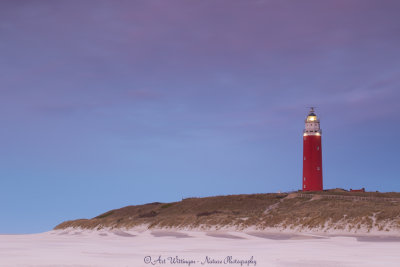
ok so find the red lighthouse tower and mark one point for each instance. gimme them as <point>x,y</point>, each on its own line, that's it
<point>312,154</point>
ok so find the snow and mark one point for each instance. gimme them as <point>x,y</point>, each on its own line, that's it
<point>76,247</point>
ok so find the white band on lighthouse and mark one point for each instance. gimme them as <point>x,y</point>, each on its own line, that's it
<point>312,124</point>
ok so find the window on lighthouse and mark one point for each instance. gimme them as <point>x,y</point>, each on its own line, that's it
<point>311,118</point>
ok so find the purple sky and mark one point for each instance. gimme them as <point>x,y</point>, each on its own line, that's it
<point>111,103</point>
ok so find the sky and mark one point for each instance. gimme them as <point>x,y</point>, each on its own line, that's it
<point>105,104</point>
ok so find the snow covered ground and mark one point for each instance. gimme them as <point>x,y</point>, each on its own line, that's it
<point>195,248</point>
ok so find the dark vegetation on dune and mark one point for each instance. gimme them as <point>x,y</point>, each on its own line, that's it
<point>259,210</point>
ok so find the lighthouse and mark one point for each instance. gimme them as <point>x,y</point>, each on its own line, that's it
<point>312,153</point>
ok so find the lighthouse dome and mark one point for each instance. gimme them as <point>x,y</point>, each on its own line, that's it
<point>311,117</point>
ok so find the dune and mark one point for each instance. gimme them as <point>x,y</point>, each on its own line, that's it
<point>320,212</point>
<point>297,229</point>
